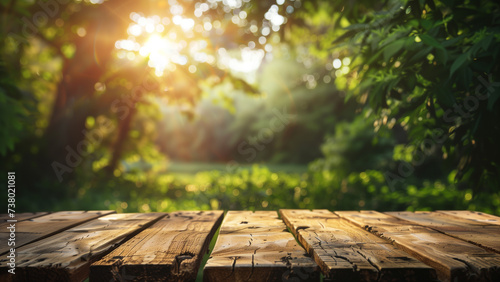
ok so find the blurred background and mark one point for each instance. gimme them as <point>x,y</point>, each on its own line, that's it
<point>163,105</point>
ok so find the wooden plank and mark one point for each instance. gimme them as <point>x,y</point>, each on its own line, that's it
<point>479,233</point>
<point>20,216</point>
<point>67,256</point>
<point>6,220</point>
<point>169,250</point>
<point>41,227</point>
<point>348,253</point>
<point>257,247</point>
<point>454,259</point>
<point>475,216</point>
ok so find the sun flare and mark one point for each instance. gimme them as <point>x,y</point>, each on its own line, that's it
<point>148,39</point>
<point>161,52</point>
<point>167,42</point>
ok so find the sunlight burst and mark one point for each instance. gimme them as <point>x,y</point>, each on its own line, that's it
<point>161,52</point>
<point>168,41</point>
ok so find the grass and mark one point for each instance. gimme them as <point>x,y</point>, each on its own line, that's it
<point>195,167</point>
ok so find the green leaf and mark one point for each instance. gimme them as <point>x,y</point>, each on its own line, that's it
<point>396,33</point>
<point>358,26</point>
<point>431,41</point>
<point>420,55</point>
<point>483,45</point>
<point>441,51</point>
<point>426,24</point>
<point>445,20</point>
<point>413,23</point>
<point>346,35</point>
<point>410,81</point>
<point>374,57</point>
<point>392,48</point>
<point>376,95</point>
<point>393,84</point>
<point>452,41</point>
<point>458,63</point>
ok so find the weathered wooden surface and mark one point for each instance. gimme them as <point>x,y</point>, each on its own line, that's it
<point>169,250</point>
<point>454,259</point>
<point>479,233</point>
<point>20,216</point>
<point>6,223</point>
<point>41,227</point>
<point>257,247</point>
<point>348,246</point>
<point>67,255</point>
<point>348,253</point>
<point>474,216</point>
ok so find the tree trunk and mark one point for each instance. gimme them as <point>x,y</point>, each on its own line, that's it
<point>75,92</point>
<point>123,130</point>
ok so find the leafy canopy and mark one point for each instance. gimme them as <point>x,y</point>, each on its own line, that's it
<point>431,67</point>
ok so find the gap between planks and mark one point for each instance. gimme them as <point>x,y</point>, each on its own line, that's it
<point>4,218</point>
<point>257,247</point>
<point>37,228</point>
<point>479,233</point>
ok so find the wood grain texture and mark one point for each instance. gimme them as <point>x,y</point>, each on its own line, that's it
<point>479,233</point>
<point>258,247</point>
<point>67,255</point>
<point>41,227</point>
<point>454,259</point>
<point>169,250</point>
<point>21,216</point>
<point>348,253</point>
<point>474,216</point>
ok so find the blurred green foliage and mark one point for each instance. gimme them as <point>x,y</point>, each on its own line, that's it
<point>216,132</point>
<point>13,113</point>
<point>258,188</point>
<point>431,66</point>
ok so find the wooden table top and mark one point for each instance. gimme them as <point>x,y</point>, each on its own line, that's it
<point>288,245</point>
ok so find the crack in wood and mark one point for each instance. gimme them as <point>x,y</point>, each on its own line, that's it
<point>299,228</point>
<point>322,226</point>
<point>379,271</point>
<point>287,260</point>
<point>233,265</point>
<point>354,266</point>
<point>253,263</point>
<point>467,265</point>
<point>120,274</point>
